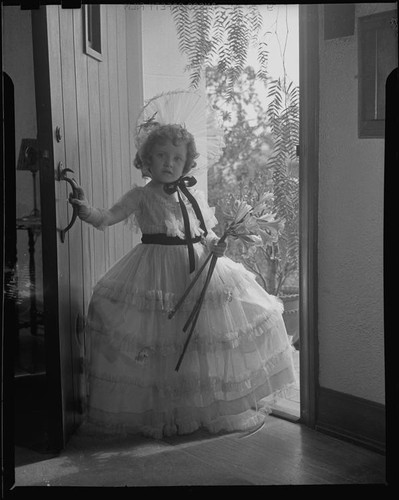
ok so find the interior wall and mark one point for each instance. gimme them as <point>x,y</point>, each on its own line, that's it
<point>350,246</point>
<point>18,63</point>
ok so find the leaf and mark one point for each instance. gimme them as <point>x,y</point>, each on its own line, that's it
<point>219,35</point>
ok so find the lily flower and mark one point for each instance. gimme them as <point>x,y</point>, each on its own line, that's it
<point>262,203</point>
<point>241,224</point>
<point>243,210</point>
<point>251,239</point>
<point>269,222</point>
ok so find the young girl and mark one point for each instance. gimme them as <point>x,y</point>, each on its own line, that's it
<point>240,351</point>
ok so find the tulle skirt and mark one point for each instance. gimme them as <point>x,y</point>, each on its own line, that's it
<point>239,352</point>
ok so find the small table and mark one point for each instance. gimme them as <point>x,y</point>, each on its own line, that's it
<point>32,224</point>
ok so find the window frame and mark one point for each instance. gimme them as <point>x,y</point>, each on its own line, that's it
<point>93,30</point>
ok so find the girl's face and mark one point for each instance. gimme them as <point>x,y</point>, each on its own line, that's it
<point>167,162</point>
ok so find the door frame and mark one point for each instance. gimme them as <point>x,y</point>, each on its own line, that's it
<point>8,307</point>
<point>49,230</point>
<point>308,192</point>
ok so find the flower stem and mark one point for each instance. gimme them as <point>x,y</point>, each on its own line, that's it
<point>195,312</point>
<point>189,288</point>
<point>187,291</point>
<point>200,299</point>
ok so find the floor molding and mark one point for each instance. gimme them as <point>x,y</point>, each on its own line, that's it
<point>351,418</point>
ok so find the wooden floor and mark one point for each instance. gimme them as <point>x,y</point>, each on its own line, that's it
<point>281,453</point>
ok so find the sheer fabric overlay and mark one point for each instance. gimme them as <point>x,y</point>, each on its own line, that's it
<point>239,353</point>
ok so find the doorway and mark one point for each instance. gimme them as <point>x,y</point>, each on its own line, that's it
<point>25,286</point>
<point>261,122</point>
<point>29,174</point>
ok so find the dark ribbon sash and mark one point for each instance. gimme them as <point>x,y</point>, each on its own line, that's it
<point>181,185</point>
<point>163,239</point>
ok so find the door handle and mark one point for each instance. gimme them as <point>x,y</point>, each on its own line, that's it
<point>63,176</point>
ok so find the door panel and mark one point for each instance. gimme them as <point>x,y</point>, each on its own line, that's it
<point>114,118</point>
<point>65,328</point>
<point>124,119</point>
<point>83,149</point>
<point>62,266</point>
<point>74,236</point>
<point>95,104</point>
<point>97,198</point>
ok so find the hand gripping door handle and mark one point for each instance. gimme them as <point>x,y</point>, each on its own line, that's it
<point>74,185</point>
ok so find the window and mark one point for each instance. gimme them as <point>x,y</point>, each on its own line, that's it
<point>92,29</point>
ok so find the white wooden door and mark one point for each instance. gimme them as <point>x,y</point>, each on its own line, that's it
<point>62,256</point>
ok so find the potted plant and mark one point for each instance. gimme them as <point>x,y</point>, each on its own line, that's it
<point>261,157</point>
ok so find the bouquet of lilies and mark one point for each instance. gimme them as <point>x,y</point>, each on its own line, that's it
<point>253,225</point>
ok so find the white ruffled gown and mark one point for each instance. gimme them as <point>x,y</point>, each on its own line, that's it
<point>239,352</point>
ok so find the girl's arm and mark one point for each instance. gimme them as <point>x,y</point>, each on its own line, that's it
<point>97,217</point>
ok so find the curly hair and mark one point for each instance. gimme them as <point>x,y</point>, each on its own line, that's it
<point>174,133</point>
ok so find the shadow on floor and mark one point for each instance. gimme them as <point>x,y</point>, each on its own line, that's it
<point>281,453</point>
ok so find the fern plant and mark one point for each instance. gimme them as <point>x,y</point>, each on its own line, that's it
<point>218,38</point>
<point>219,35</point>
<point>283,115</point>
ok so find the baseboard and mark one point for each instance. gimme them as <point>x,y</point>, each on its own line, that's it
<point>351,418</point>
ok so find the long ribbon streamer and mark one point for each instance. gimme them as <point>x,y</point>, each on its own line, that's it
<point>182,184</point>
<point>193,317</point>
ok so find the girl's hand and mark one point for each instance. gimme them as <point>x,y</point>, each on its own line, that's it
<point>218,248</point>
<point>78,199</point>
